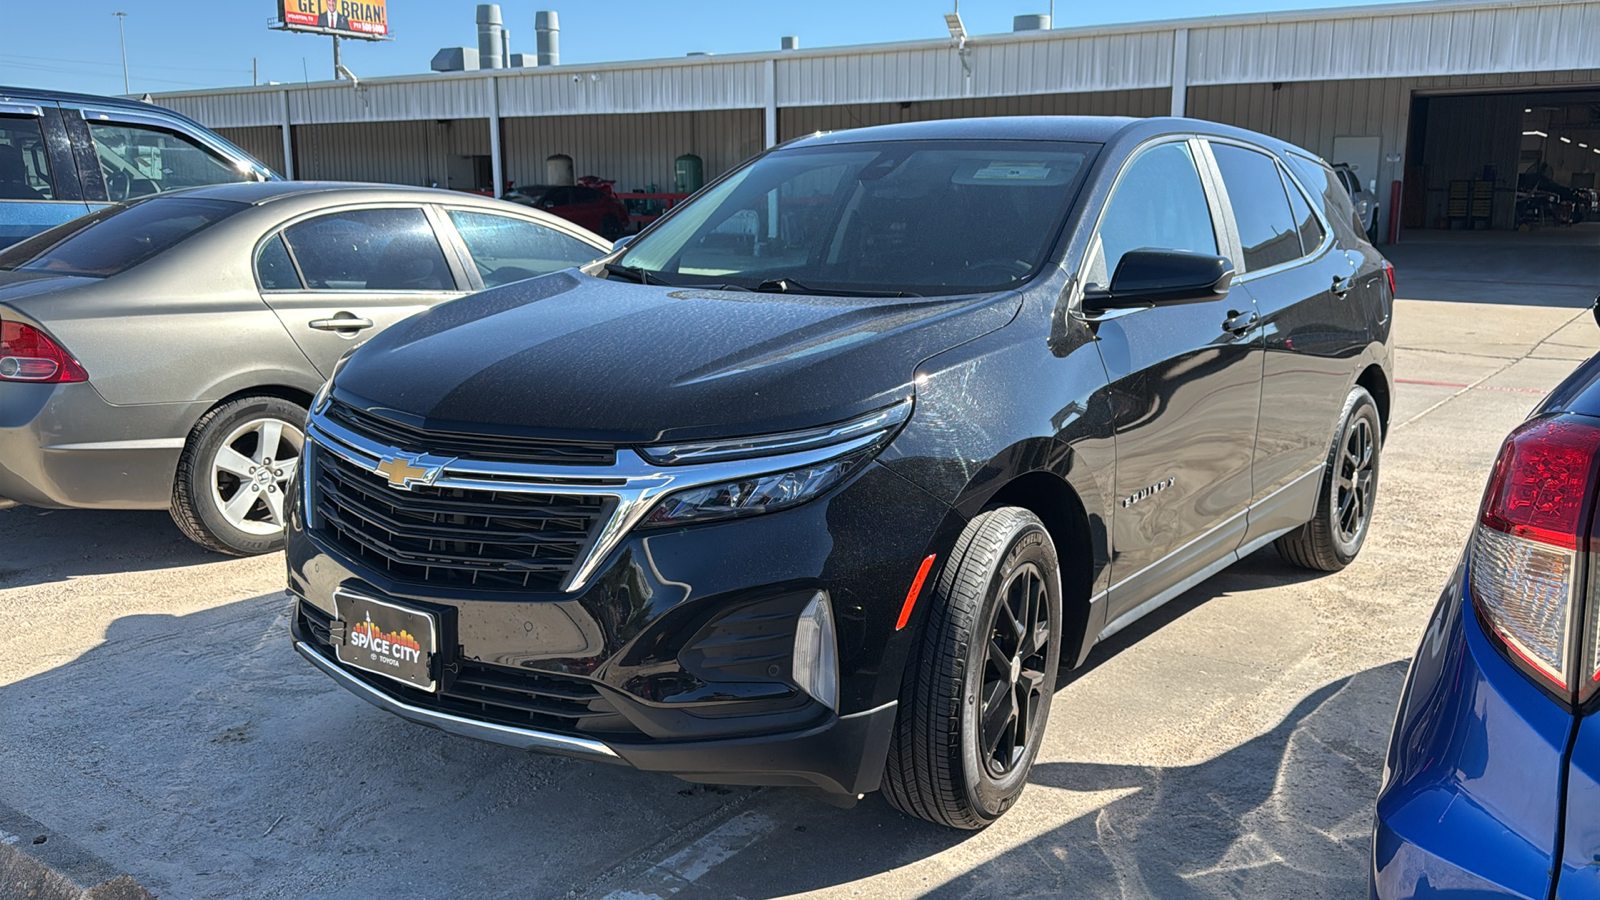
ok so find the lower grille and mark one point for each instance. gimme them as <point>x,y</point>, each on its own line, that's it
<point>497,694</point>
<point>483,539</point>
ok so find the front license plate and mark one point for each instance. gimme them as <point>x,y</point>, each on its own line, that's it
<point>388,640</point>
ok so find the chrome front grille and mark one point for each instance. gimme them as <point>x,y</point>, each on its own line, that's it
<point>411,439</point>
<point>484,539</point>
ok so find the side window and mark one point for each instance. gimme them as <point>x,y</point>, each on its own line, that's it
<point>24,160</point>
<point>138,160</point>
<point>1267,231</point>
<point>506,249</point>
<point>586,195</point>
<point>1332,195</point>
<point>274,269</point>
<point>1311,233</point>
<point>1159,205</point>
<point>370,250</point>
<point>556,196</point>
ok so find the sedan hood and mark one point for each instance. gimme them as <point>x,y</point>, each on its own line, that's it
<point>576,357</point>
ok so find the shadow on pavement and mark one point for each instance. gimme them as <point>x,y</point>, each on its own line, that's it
<point>45,545</point>
<point>199,754</point>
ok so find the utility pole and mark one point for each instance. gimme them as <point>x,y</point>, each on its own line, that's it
<point>336,57</point>
<point>123,39</point>
<point>255,70</point>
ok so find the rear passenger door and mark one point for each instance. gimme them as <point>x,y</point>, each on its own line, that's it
<point>38,179</point>
<point>1185,384</point>
<point>1312,331</point>
<point>337,278</point>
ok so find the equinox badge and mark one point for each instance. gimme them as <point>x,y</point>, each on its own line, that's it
<point>1142,493</point>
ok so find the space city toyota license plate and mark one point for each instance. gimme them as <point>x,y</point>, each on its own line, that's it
<point>386,639</point>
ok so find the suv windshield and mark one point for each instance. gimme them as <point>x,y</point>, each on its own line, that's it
<point>112,240</point>
<point>871,219</point>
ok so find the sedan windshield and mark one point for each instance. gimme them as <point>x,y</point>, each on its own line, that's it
<point>902,218</point>
<point>112,240</point>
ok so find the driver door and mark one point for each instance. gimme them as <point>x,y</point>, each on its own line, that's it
<point>1185,386</point>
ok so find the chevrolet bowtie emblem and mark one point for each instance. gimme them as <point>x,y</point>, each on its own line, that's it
<point>407,472</point>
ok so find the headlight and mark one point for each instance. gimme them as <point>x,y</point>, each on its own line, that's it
<point>756,494</point>
<point>882,423</point>
<point>321,399</point>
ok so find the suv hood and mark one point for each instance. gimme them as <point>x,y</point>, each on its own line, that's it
<point>577,357</point>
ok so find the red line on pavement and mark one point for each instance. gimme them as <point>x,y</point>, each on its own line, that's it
<point>1480,387</point>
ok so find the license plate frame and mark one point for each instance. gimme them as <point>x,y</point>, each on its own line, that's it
<point>400,644</point>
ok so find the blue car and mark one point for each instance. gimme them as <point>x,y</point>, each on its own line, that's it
<point>62,155</point>
<point>1491,787</point>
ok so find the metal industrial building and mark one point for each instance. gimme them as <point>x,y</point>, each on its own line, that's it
<point>1424,93</point>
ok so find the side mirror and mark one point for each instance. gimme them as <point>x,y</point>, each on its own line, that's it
<point>1157,277</point>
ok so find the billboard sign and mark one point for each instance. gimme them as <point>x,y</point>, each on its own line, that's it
<point>351,18</point>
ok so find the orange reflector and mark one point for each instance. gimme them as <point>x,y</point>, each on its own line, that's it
<point>916,590</point>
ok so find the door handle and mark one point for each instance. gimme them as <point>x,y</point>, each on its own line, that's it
<point>342,322</point>
<point>1341,286</point>
<point>1240,322</point>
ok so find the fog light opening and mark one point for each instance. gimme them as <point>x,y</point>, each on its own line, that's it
<point>816,655</point>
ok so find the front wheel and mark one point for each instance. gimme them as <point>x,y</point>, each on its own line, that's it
<point>1333,537</point>
<point>231,492</point>
<point>977,689</point>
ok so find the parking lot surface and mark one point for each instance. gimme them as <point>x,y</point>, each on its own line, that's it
<point>153,714</point>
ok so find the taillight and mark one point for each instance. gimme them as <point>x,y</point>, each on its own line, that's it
<point>28,354</point>
<point>1388,269</point>
<point>1529,552</point>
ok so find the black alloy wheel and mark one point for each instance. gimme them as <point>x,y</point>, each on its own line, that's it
<point>975,695</point>
<point>1349,491</point>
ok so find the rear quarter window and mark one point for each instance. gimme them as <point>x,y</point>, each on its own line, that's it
<point>112,240</point>
<point>1330,193</point>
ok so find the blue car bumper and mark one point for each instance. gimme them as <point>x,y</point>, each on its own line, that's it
<point>1471,797</point>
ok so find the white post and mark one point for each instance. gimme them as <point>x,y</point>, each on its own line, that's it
<point>288,139</point>
<point>772,103</point>
<point>1180,71</point>
<point>496,164</point>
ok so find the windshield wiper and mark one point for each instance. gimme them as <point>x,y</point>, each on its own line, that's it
<point>634,273</point>
<point>790,286</point>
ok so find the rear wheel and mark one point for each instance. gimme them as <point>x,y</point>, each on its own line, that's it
<point>1333,537</point>
<point>977,690</point>
<point>231,492</point>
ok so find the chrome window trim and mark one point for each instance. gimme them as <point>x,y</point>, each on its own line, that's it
<point>633,484</point>
<point>1291,183</point>
<point>21,109</point>
<point>133,117</point>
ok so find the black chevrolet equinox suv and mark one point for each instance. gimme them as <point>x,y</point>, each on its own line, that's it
<point>820,480</point>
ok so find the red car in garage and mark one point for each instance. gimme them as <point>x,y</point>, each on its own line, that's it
<point>597,210</point>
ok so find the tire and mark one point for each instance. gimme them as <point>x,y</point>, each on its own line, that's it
<point>226,456</point>
<point>1333,537</point>
<point>941,765</point>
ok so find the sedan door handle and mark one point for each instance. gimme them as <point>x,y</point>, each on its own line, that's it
<point>341,323</point>
<point>1240,322</point>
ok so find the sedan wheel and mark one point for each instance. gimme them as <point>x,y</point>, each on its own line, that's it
<point>236,474</point>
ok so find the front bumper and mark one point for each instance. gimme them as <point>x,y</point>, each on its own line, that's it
<point>673,658</point>
<point>1471,797</point>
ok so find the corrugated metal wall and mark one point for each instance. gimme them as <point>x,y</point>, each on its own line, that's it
<point>417,153</point>
<point>634,150</point>
<point>700,85</point>
<point>264,142</point>
<point>795,122</point>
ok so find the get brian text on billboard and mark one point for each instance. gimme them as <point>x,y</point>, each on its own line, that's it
<point>357,18</point>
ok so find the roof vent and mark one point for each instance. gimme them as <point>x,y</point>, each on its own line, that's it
<point>1030,23</point>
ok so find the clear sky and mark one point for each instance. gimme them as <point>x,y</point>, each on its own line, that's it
<point>72,44</point>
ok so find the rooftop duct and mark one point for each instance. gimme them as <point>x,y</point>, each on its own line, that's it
<point>490,43</point>
<point>1030,23</point>
<point>547,29</point>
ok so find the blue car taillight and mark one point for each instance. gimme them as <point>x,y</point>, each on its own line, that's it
<point>1529,552</point>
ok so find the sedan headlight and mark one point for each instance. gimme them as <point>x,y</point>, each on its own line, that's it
<point>819,459</point>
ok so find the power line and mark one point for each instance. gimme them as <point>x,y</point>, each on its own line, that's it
<point>101,62</point>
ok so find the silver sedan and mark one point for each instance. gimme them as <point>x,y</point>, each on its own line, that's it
<point>162,353</point>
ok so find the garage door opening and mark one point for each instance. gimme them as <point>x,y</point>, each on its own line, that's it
<point>1503,161</point>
